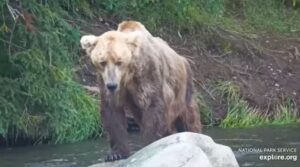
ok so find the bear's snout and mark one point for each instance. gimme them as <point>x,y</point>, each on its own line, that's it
<point>112,86</point>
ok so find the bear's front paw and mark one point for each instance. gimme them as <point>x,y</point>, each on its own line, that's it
<point>115,156</point>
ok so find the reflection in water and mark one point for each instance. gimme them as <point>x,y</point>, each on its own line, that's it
<point>247,144</point>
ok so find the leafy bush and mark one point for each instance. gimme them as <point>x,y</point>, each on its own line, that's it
<point>39,101</point>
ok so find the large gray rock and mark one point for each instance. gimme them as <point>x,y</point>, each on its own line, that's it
<point>180,150</point>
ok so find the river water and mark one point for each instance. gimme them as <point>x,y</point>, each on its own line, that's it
<point>252,147</point>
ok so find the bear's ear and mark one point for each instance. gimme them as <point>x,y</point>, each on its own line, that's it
<point>134,40</point>
<point>88,42</point>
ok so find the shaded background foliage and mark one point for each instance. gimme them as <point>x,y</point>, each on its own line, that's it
<point>39,99</point>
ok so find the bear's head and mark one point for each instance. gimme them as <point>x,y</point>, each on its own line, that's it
<point>112,53</point>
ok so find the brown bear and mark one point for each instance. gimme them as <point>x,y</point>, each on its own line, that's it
<point>142,73</point>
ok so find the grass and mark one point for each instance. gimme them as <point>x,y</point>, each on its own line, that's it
<point>286,114</point>
<point>271,15</point>
<point>205,110</point>
<point>39,100</point>
<point>251,16</point>
<point>241,115</point>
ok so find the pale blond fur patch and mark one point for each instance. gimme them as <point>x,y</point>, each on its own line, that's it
<point>132,26</point>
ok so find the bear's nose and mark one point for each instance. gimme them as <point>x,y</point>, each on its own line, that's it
<point>111,86</point>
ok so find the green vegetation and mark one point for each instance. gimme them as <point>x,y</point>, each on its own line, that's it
<point>40,101</point>
<point>237,15</point>
<point>272,16</point>
<point>240,114</point>
<point>205,110</point>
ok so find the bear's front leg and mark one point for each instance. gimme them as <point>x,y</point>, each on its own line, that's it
<point>115,124</point>
<point>154,123</point>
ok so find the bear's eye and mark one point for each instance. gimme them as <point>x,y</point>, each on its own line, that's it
<point>118,63</point>
<point>103,63</point>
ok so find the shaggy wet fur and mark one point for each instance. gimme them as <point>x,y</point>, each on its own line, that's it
<point>156,86</point>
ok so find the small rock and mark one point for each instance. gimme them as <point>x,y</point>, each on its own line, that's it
<point>277,85</point>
